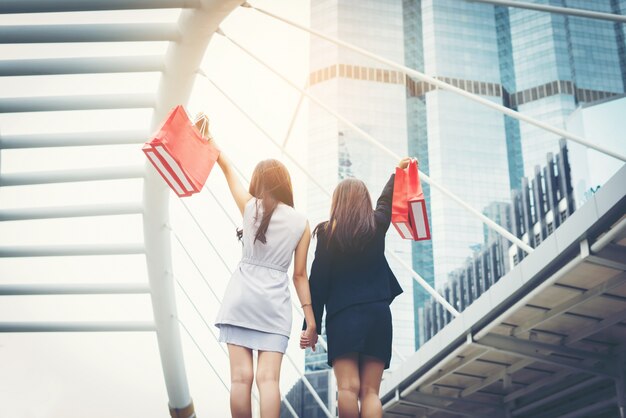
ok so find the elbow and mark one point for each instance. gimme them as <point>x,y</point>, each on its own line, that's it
<point>300,278</point>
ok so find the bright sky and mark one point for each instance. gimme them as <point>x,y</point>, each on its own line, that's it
<point>105,375</point>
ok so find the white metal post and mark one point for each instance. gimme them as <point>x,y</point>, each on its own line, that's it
<point>590,14</point>
<point>181,62</point>
<point>449,87</point>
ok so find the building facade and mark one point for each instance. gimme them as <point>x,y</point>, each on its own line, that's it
<point>540,206</point>
<point>603,123</point>
<point>459,143</point>
<point>541,64</point>
<point>373,98</point>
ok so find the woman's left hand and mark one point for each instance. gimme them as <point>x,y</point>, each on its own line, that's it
<point>308,338</point>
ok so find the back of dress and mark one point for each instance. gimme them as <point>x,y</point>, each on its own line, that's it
<point>283,234</point>
<point>258,294</point>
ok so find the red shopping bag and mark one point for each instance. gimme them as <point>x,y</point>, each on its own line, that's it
<point>181,153</point>
<point>408,210</point>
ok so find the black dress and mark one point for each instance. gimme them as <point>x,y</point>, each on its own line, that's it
<point>356,289</point>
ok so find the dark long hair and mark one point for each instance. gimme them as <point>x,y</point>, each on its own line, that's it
<point>271,185</point>
<point>351,225</point>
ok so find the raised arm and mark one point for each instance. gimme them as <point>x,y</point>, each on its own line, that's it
<point>384,202</point>
<point>240,194</point>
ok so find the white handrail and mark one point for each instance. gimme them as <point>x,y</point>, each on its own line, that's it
<point>219,301</point>
<point>195,307</point>
<point>310,176</point>
<point>491,224</point>
<point>591,14</point>
<point>321,340</point>
<point>431,80</point>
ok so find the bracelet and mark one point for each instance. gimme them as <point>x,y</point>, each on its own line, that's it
<point>306,304</point>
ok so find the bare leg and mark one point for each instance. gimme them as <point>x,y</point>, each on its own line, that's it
<point>267,377</point>
<point>371,373</point>
<point>346,370</point>
<point>241,376</point>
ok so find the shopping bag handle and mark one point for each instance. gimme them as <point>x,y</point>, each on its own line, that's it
<point>202,123</point>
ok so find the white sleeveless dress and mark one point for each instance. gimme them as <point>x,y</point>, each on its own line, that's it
<point>256,308</point>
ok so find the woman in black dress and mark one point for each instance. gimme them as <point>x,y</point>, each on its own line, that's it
<point>351,278</point>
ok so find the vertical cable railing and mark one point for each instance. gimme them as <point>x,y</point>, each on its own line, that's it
<point>488,222</point>
<point>310,176</point>
<point>306,172</point>
<point>445,86</point>
<point>206,324</point>
<point>219,301</point>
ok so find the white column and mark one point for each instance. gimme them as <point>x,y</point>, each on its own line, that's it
<point>181,63</point>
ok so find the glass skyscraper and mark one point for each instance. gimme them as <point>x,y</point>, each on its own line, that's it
<point>560,62</point>
<point>373,98</point>
<point>541,64</point>
<point>460,144</point>
<point>544,65</point>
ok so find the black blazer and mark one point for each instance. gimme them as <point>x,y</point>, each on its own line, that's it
<point>339,280</point>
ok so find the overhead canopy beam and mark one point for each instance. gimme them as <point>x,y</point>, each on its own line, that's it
<point>611,256</point>
<point>56,212</point>
<point>102,32</point>
<point>125,326</point>
<point>595,328</point>
<point>70,250</point>
<point>426,405</point>
<point>449,404</point>
<point>76,102</point>
<point>555,9</point>
<point>571,303</point>
<point>74,289</point>
<point>456,365</point>
<point>70,176</point>
<point>72,139</point>
<point>606,365</point>
<point>495,376</point>
<point>88,65</point>
<point>47,6</point>
<point>558,395</point>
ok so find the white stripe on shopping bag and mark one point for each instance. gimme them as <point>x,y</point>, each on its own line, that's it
<point>174,166</point>
<point>418,208</point>
<point>404,230</point>
<point>159,165</point>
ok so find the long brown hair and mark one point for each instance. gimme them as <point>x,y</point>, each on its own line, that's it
<point>271,185</point>
<point>351,225</point>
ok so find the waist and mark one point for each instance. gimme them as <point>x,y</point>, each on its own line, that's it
<point>263,264</point>
<point>372,302</point>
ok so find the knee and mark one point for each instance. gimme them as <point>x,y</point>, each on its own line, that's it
<point>265,377</point>
<point>368,391</point>
<point>242,376</point>
<point>349,386</point>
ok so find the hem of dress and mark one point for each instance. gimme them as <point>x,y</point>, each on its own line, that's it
<point>329,360</point>
<point>254,348</point>
<point>253,327</point>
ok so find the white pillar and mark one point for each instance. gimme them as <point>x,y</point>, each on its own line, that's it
<point>181,62</point>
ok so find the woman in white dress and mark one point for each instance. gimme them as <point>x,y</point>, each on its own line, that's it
<point>256,309</point>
